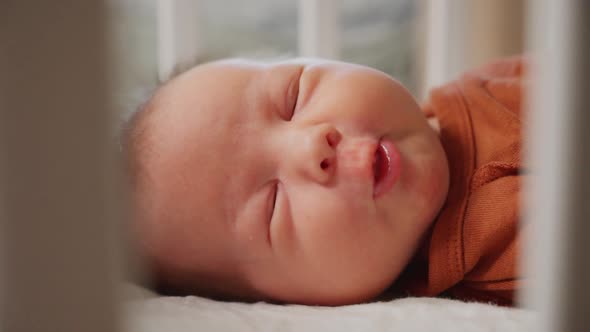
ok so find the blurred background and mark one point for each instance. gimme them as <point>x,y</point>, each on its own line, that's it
<point>390,35</point>
<point>382,34</point>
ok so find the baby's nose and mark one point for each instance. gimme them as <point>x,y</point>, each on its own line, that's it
<point>319,155</point>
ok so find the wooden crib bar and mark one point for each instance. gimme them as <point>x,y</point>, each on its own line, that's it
<point>57,199</point>
<point>557,205</point>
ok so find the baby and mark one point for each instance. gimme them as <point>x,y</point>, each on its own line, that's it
<point>318,182</point>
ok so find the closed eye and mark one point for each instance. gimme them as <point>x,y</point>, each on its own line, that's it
<point>292,95</point>
<point>272,209</point>
<point>273,200</point>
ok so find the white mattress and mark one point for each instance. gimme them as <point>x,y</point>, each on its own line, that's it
<point>147,312</point>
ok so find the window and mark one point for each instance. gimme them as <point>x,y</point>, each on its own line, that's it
<point>378,33</point>
<point>382,34</point>
<point>253,29</point>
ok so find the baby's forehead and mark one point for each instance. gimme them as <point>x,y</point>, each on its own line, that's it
<point>194,126</point>
<point>209,79</point>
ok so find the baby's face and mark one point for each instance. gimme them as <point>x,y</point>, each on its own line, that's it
<point>306,182</point>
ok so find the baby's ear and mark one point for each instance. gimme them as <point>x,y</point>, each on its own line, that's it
<point>434,124</point>
<point>430,117</point>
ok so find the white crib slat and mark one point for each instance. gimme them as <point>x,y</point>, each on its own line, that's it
<point>441,50</point>
<point>55,188</point>
<point>319,30</point>
<point>462,34</point>
<point>178,36</point>
<point>558,193</point>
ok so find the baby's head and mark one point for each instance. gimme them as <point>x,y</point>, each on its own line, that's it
<point>303,181</point>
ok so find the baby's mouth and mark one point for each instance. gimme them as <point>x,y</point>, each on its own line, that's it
<point>386,167</point>
<point>380,164</point>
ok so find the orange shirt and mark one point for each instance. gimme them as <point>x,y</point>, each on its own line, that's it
<point>471,250</point>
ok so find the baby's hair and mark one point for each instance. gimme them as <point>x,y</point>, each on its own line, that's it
<point>134,134</point>
<point>136,144</point>
<point>134,131</point>
<point>134,139</point>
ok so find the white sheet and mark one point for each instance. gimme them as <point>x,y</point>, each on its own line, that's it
<point>147,313</point>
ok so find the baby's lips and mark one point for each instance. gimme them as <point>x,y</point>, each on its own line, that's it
<point>388,168</point>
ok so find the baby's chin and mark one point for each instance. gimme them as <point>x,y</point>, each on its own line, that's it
<point>436,180</point>
<point>357,283</point>
<point>352,295</point>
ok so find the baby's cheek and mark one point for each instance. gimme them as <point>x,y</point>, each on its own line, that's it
<point>429,180</point>
<point>338,239</point>
<point>331,217</point>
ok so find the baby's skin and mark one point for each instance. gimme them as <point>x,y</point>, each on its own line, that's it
<point>302,181</point>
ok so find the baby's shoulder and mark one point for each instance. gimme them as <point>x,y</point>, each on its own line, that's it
<point>498,86</point>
